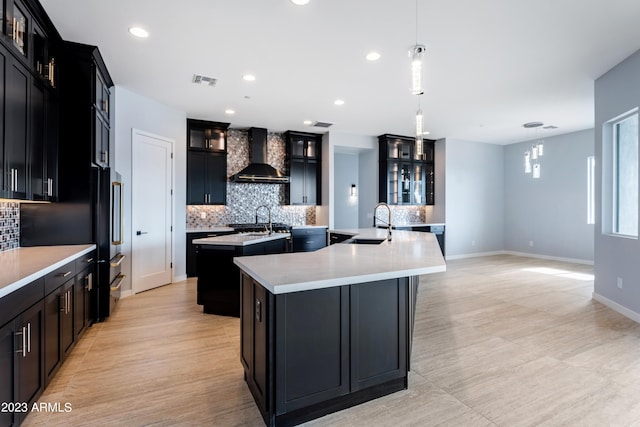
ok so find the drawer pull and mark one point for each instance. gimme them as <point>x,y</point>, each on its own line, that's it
<point>116,260</point>
<point>89,260</point>
<point>65,274</point>
<point>117,282</point>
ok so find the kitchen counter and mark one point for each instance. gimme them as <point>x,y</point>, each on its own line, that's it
<point>241,239</point>
<point>408,254</point>
<point>21,266</point>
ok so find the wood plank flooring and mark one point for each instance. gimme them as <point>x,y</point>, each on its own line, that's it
<point>499,341</point>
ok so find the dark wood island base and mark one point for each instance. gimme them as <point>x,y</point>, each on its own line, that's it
<point>310,353</point>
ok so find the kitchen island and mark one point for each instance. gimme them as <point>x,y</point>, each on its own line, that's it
<point>322,331</point>
<point>218,278</point>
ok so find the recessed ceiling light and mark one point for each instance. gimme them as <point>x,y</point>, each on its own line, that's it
<point>300,2</point>
<point>229,111</point>
<point>249,77</point>
<point>373,56</point>
<point>139,32</point>
<point>307,122</point>
<point>338,102</point>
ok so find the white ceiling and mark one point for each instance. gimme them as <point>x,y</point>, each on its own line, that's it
<point>491,65</point>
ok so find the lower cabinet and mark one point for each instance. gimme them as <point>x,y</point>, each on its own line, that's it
<point>191,249</point>
<point>59,326</point>
<point>306,354</point>
<point>308,239</point>
<point>82,300</point>
<point>21,363</point>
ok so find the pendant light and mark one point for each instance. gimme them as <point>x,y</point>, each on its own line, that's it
<point>416,53</point>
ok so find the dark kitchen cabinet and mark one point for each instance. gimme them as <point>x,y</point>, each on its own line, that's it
<point>59,327</point>
<point>219,278</point>
<point>206,135</point>
<point>308,239</point>
<point>309,353</point>
<point>405,176</point>
<point>21,362</point>
<point>44,143</point>
<point>17,79</point>
<point>28,137</point>
<point>206,162</point>
<point>82,295</point>
<point>191,248</point>
<point>304,167</point>
<point>85,115</point>
<point>206,178</point>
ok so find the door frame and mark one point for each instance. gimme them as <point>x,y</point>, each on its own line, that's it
<point>134,133</point>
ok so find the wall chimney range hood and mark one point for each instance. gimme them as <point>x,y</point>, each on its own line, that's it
<point>259,171</point>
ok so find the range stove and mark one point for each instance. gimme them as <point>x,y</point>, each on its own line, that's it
<point>278,227</point>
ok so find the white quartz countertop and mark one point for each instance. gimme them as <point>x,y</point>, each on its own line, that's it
<point>216,229</point>
<point>241,239</point>
<point>308,226</point>
<point>22,266</point>
<point>410,253</point>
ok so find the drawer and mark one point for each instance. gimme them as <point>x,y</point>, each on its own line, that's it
<point>59,276</point>
<point>20,300</point>
<point>309,243</point>
<point>300,232</point>
<point>85,261</point>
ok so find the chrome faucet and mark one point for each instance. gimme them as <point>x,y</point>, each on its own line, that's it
<point>270,229</point>
<point>388,222</point>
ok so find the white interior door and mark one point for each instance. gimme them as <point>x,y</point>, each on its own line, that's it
<point>151,206</point>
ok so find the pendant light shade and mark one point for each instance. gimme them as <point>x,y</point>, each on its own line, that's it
<point>527,162</point>
<point>416,53</point>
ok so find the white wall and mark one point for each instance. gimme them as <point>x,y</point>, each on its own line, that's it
<point>616,92</point>
<point>367,186</point>
<point>474,197</point>
<point>133,111</point>
<point>550,212</point>
<point>345,206</point>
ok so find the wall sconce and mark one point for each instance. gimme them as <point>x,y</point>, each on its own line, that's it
<point>354,190</point>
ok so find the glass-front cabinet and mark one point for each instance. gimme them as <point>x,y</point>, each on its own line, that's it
<point>205,135</point>
<point>406,177</point>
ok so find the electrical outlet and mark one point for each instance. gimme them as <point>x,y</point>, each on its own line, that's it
<point>531,243</point>
<point>619,282</point>
<point>203,215</point>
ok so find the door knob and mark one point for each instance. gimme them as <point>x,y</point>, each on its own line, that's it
<point>138,233</point>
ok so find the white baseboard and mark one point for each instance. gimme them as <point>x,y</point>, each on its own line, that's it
<point>180,278</point>
<point>473,255</point>
<point>549,257</point>
<point>524,254</point>
<point>617,307</point>
<point>125,294</point>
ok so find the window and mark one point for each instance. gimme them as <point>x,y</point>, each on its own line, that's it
<point>625,175</point>
<point>591,190</point>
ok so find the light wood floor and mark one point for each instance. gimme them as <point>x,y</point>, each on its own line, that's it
<point>504,340</point>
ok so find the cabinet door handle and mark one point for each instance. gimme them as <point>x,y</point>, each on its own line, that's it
<point>28,337</point>
<point>50,184</point>
<point>23,349</point>
<point>89,279</point>
<point>62,303</point>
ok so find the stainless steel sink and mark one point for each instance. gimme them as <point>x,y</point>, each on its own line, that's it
<point>364,241</point>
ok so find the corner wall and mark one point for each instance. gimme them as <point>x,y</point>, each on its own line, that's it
<point>548,216</point>
<point>616,92</point>
<point>474,197</point>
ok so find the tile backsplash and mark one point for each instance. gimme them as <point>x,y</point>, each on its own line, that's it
<point>243,199</point>
<point>9,225</point>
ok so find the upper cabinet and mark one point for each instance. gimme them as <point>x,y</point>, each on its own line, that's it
<point>28,103</point>
<point>206,162</point>
<point>406,176</point>
<point>85,113</point>
<point>205,135</point>
<point>303,164</point>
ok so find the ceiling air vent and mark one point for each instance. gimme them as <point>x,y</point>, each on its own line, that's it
<point>204,80</point>
<point>322,124</point>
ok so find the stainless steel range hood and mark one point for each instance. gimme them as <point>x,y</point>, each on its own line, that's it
<point>259,171</point>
